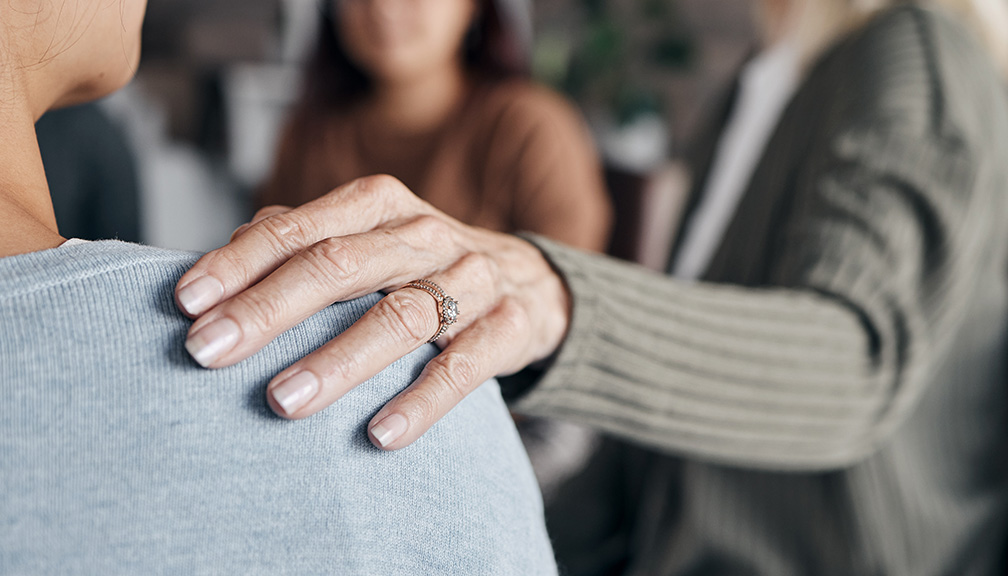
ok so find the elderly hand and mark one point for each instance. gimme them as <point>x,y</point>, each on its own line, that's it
<point>375,235</point>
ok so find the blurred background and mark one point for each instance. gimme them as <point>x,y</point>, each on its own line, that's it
<point>201,121</point>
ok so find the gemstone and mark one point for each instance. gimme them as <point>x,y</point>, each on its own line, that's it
<point>449,311</point>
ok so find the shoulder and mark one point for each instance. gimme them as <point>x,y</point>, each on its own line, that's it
<point>90,265</point>
<point>92,336</point>
<point>914,65</point>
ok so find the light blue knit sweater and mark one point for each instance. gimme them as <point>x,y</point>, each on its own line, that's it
<point>119,455</point>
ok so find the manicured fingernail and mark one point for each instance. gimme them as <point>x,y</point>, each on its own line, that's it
<point>200,295</point>
<point>389,429</point>
<point>293,393</point>
<point>213,341</point>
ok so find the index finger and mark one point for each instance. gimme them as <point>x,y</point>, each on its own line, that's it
<point>359,206</point>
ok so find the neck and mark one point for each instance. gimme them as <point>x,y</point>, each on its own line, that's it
<point>421,104</point>
<point>27,222</point>
<point>776,18</point>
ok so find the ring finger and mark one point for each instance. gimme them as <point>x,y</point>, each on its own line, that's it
<point>400,323</point>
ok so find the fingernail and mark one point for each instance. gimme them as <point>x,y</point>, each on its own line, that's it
<point>239,230</point>
<point>389,429</point>
<point>293,393</point>
<point>200,295</point>
<point>213,341</point>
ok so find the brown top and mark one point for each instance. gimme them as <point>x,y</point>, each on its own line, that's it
<point>515,157</point>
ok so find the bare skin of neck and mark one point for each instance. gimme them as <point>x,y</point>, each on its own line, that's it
<point>27,221</point>
<point>777,17</point>
<point>420,104</point>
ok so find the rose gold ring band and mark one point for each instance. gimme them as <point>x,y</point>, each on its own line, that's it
<point>448,309</point>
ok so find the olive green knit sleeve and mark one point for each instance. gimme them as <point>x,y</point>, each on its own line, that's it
<point>815,369</point>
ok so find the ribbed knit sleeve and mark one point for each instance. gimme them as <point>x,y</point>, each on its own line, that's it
<point>871,266</point>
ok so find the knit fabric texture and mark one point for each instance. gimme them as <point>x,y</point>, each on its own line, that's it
<point>832,398</point>
<point>120,455</point>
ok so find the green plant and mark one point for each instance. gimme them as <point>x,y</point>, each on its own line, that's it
<point>611,55</point>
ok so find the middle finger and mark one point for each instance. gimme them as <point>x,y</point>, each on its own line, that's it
<point>260,249</point>
<point>333,270</point>
<point>397,325</point>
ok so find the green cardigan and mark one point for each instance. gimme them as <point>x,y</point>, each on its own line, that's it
<point>832,398</point>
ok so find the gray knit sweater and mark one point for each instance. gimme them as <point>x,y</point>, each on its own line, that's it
<point>833,398</point>
<point>119,455</point>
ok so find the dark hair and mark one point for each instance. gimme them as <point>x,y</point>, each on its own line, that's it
<point>491,49</point>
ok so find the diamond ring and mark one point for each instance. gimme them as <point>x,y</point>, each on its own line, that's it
<point>448,310</point>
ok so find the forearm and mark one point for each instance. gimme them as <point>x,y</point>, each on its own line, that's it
<point>779,379</point>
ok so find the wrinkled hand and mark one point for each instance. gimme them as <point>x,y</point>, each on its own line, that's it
<point>375,235</point>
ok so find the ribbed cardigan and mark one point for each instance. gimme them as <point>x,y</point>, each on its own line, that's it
<point>832,398</point>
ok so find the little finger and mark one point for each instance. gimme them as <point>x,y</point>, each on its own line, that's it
<point>493,345</point>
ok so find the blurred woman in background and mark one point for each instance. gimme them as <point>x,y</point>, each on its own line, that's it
<point>435,93</point>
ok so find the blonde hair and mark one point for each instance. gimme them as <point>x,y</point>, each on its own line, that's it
<point>819,22</point>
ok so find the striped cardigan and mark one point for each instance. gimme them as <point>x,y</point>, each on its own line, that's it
<point>832,398</point>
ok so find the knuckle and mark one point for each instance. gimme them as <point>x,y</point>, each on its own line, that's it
<point>513,318</point>
<point>477,268</point>
<point>225,263</point>
<point>453,372</point>
<point>264,315</point>
<point>335,260</point>
<point>288,231</point>
<point>407,316</point>
<point>266,211</point>
<point>431,230</point>
<point>380,185</point>
<point>423,404</point>
<point>336,366</point>
<point>426,224</point>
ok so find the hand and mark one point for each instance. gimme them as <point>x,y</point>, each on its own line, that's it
<point>375,235</point>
